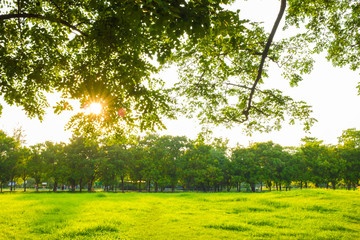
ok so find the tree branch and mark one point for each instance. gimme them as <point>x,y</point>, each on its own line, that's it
<point>30,15</point>
<point>58,8</point>
<point>260,54</point>
<point>264,55</point>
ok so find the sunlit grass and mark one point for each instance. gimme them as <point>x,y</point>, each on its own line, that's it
<point>300,214</point>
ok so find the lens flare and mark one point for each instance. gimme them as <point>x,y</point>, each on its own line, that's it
<point>94,108</point>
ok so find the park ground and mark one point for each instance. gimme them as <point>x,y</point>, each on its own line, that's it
<point>297,214</point>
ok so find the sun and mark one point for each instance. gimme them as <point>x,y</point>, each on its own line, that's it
<point>94,108</point>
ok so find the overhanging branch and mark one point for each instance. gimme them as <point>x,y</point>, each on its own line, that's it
<point>263,57</point>
<point>30,15</point>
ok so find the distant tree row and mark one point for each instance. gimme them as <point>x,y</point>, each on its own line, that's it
<point>158,162</point>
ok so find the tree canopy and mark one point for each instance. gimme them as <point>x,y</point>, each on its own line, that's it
<point>111,51</point>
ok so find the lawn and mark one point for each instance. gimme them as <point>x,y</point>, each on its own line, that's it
<point>297,214</point>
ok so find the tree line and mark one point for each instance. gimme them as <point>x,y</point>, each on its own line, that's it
<point>156,162</point>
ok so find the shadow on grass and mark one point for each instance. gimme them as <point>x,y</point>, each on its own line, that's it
<point>237,228</point>
<point>351,218</point>
<point>320,209</point>
<point>337,228</point>
<point>91,231</point>
<point>274,204</point>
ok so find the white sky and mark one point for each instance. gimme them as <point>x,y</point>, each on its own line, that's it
<point>331,91</point>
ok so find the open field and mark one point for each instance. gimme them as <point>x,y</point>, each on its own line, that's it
<point>298,214</point>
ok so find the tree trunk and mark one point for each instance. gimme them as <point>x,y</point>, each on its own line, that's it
<point>280,186</point>
<point>149,185</point>
<point>11,185</point>
<point>268,185</point>
<point>301,185</point>
<point>252,185</point>
<point>173,188</point>
<point>156,186</point>
<point>90,183</point>
<point>122,185</point>
<point>73,186</point>
<point>1,186</point>
<point>55,186</point>
<point>140,186</point>
<point>333,183</point>
<point>306,185</point>
<point>80,184</point>
<point>24,185</point>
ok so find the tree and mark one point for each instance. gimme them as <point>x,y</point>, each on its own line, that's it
<point>271,159</point>
<point>349,151</point>
<point>165,153</point>
<point>74,162</point>
<point>81,161</point>
<point>290,170</point>
<point>138,164</point>
<point>193,165</point>
<point>7,162</point>
<point>316,156</point>
<point>247,165</point>
<point>96,51</point>
<point>54,157</point>
<point>333,166</point>
<point>115,164</point>
<point>23,164</point>
<point>155,169</point>
<point>36,164</point>
<point>300,170</point>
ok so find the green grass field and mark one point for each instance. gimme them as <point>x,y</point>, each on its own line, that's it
<point>297,214</point>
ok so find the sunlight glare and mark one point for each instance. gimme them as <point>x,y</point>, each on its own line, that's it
<point>95,108</point>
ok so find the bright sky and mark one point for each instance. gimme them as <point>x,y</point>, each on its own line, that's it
<point>331,91</point>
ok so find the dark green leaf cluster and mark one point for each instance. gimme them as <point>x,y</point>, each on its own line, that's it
<point>96,51</point>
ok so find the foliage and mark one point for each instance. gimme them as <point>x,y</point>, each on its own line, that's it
<point>160,162</point>
<point>110,51</point>
<point>96,51</point>
<point>331,26</point>
<point>349,152</point>
<point>7,162</point>
<point>222,76</point>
